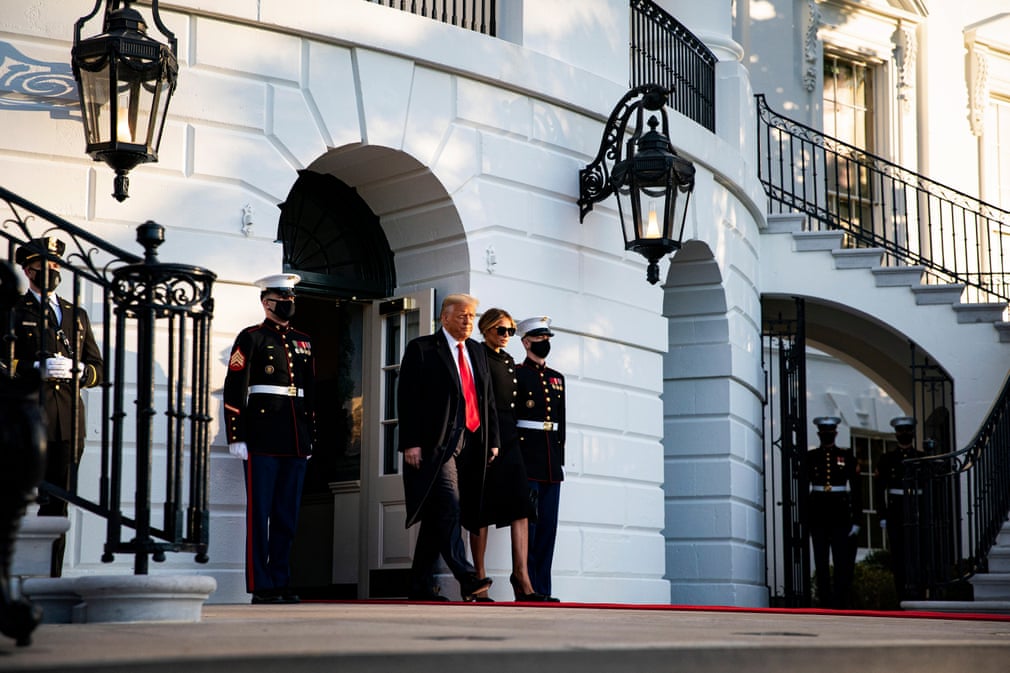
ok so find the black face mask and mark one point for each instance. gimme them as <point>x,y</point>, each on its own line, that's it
<point>284,308</point>
<point>53,279</point>
<point>540,348</point>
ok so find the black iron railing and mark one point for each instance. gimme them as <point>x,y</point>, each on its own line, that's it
<point>955,237</point>
<point>477,15</point>
<point>664,52</point>
<point>138,307</point>
<point>958,503</point>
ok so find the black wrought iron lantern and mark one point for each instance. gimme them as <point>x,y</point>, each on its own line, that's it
<point>646,175</point>
<point>125,81</point>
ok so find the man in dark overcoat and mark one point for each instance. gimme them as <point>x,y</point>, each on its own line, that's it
<point>447,417</point>
<point>57,341</point>
<point>270,420</point>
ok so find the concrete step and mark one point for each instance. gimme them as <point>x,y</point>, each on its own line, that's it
<point>809,241</point>
<point>971,607</point>
<point>425,638</point>
<point>1003,329</point>
<point>785,223</point>
<point>898,276</point>
<point>928,295</point>
<point>1003,537</point>
<point>972,313</point>
<point>999,560</point>
<point>857,258</point>
<point>991,587</point>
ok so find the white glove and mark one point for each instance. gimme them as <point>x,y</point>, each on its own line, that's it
<point>59,367</point>
<point>239,450</point>
<point>854,532</point>
<point>883,523</point>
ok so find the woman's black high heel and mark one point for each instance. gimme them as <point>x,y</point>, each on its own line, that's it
<point>533,597</point>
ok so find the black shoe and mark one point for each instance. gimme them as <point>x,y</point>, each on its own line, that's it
<point>532,597</point>
<point>264,598</point>
<point>289,598</point>
<point>551,599</point>
<point>472,585</point>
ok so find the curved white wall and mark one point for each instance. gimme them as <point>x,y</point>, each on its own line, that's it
<point>486,138</point>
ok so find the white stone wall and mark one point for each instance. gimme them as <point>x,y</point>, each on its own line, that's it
<point>489,135</point>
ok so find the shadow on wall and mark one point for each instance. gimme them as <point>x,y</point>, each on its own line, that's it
<point>29,84</point>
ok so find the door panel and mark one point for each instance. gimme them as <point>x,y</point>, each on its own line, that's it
<point>387,544</point>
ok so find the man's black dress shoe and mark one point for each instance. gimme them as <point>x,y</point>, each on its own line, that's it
<point>289,597</point>
<point>263,598</point>
<point>470,586</point>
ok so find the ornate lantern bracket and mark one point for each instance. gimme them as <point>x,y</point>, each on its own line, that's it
<point>645,173</point>
<point>125,81</point>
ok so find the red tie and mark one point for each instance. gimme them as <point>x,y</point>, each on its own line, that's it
<point>469,392</point>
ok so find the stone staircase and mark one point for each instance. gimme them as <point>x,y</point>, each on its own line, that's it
<point>994,586</point>
<point>899,276</point>
<point>991,590</point>
<point>918,311</point>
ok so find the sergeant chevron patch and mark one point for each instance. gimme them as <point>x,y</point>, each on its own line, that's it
<point>237,362</point>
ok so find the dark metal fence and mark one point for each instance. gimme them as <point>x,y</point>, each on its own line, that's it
<point>138,308</point>
<point>959,502</point>
<point>664,52</point>
<point>477,15</point>
<point>787,534</point>
<point>955,237</point>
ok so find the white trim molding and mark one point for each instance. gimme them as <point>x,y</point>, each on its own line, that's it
<point>905,46</point>
<point>811,54</point>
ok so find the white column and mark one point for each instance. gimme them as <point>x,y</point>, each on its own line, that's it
<point>712,23</point>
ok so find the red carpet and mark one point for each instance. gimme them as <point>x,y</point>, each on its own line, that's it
<point>903,614</point>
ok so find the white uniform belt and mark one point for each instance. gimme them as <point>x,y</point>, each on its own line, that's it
<point>537,425</point>
<point>903,491</point>
<point>286,391</point>
<point>830,489</point>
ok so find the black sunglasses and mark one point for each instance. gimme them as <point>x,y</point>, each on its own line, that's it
<point>502,330</point>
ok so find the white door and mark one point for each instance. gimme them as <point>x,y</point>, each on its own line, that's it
<point>387,545</point>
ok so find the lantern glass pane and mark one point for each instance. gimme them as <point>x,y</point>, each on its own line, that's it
<point>625,212</point>
<point>97,105</point>
<point>134,103</point>
<point>161,92</point>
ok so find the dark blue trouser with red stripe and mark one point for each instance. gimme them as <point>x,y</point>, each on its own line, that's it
<point>273,495</point>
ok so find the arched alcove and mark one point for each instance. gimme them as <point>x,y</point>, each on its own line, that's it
<point>333,239</point>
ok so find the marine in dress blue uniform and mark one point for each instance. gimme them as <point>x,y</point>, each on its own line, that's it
<point>270,421</point>
<point>892,496</point>
<point>57,341</point>
<point>834,511</point>
<point>540,419</point>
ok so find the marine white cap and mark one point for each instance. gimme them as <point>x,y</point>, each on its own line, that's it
<point>535,327</point>
<point>281,283</point>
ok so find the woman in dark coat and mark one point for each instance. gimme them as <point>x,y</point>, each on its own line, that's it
<point>506,497</point>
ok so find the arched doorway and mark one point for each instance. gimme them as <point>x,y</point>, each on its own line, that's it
<point>855,353</point>
<point>334,241</point>
<point>347,218</point>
